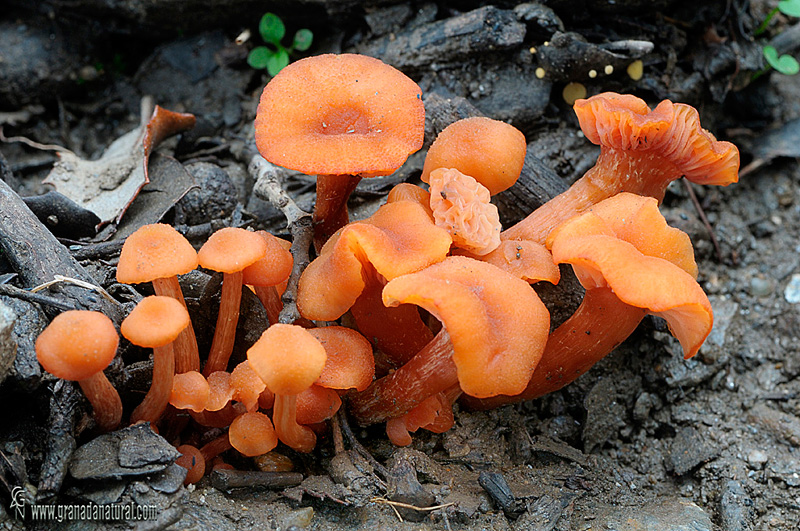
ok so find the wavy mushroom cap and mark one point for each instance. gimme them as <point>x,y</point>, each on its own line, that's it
<point>399,238</point>
<point>274,267</point>
<point>650,278</point>
<point>190,390</point>
<point>411,192</point>
<point>342,114</point>
<point>231,249</point>
<point>671,130</point>
<point>461,205</point>
<point>155,251</point>
<point>350,362</point>
<point>247,385</point>
<point>288,358</point>
<point>528,260</point>
<point>77,344</point>
<point>220,390</point>
<point>491,151</point>
<point>496,322</point>
<point>155,322</point>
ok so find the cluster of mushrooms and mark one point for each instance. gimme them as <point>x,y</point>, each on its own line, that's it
<point>429,286</point>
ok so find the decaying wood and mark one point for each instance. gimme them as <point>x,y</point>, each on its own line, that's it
<point>37,256</point>
<point>60,443</point>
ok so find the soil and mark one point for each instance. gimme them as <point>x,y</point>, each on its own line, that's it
<point>645,440</point>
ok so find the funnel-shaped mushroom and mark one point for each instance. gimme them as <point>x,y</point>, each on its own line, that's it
<point>229,250</point>
<point>354,265</point>
<point>78,345</point>
<point>289,359</point>
<point>158,253</point>
<point>494,331</point>
<point>641,151</point>
<point>490,151</point>
<point>340,117</point>
<point>155,323</point>
<point>631,263</point>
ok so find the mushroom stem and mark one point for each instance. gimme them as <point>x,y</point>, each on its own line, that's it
<point>616,170</point>
<point>284,416</point>
<point>330,210</point>
<point>213,448</point>
<point>268,295</point>
<point>430,371</point>
<point>157,398</point>
<point>187,357</point>
<point>105,400</point>
<point>599,325</point>
<point>225,332</point>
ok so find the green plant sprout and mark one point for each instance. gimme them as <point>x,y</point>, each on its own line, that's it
<point>274,56</point>
<point>784,64</point>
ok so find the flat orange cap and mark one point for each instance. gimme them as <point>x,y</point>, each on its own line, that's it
<point>490,151</point>
<point>350,362</point>
<point>155,251</point>
<point>232,249</point>
<point>155,321</point>
<point>288,358</point>
<point>497,324</point>
<point>77,344</point>
<point>342,114</point>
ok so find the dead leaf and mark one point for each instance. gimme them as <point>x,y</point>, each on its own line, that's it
<point>107,186</point>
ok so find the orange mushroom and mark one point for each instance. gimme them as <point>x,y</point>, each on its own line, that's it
<point>220,390</point>
<point>341,117</point>
<point>269,272</point>
<point>190,390</point>
<point>192,460</point>
<point>158,253</point>
<point>289,359</point>
<point>641,151</point>
<point>229,251</point>
<point>252,434</point>
<point>247,385</point>
<point>434,414</point>
<point>631,264</point>
<point>461,205</point>
<point>494,330</point>
<point>490,151</point>
<point>78,345</point>
<point>411,192</point>
<point>354,265</point>
<point>155,323</point>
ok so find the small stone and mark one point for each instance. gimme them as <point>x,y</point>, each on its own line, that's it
<point>760,287</point>
<point>688,451</point>
<point>757,458</point>
<point>666,515</point>
<point>792,291</point>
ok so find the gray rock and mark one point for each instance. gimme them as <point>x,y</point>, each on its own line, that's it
<point>132,451</point>
<point>8,345</point>
<point>215,196</point>
<point>688,450</point>
<point>666,515</point>
<point>736,508</point>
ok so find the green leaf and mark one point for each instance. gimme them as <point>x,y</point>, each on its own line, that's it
<point>271,28</point>
<point>785,64</point>
<point>790,8</point>
<point>258,57</point>
<point>277,61</point>
<point>302,40</point>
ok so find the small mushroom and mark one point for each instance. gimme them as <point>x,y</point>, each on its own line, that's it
<point>78,345</point>
<point>268,273</point>
<point>252,434</point>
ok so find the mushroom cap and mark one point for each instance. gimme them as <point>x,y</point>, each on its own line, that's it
<point>220,390</point>
<point>526,259</point>
<point>247,385</point>
<point>155,251</point>
<point>350,362</point>
<point>155,322</point>
<point>650,278</point>
<point>288,358</point>
<point>411,192</point>
<point>399,238</point>
<point>231,249</point>
<point>252,434</point>
<point>77,344</point>
<point>190,390</point>
<point>461,205</point>
<point>276,265</point>
<point>317,404</point>
<point>497,324</point>
<point>192,460</point>
<point>342,114</point>
<point>671,130</point>
<point>490,151</point>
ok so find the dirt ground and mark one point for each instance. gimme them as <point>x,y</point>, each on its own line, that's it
<point>644,441</point>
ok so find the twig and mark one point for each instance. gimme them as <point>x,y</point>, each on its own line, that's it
<point>31,143</point>
<point>85,285</point>
<point>336,428</point>
<point>231,479</point>
<point>409,506</point>
<point>38,298</point>
<point>268,187</point>
<point>703,218</point>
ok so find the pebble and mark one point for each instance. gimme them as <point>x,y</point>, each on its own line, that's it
<point>757,458</point>
<point>792,291</point>
<point>760,287</point>
<point>666,515</point>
